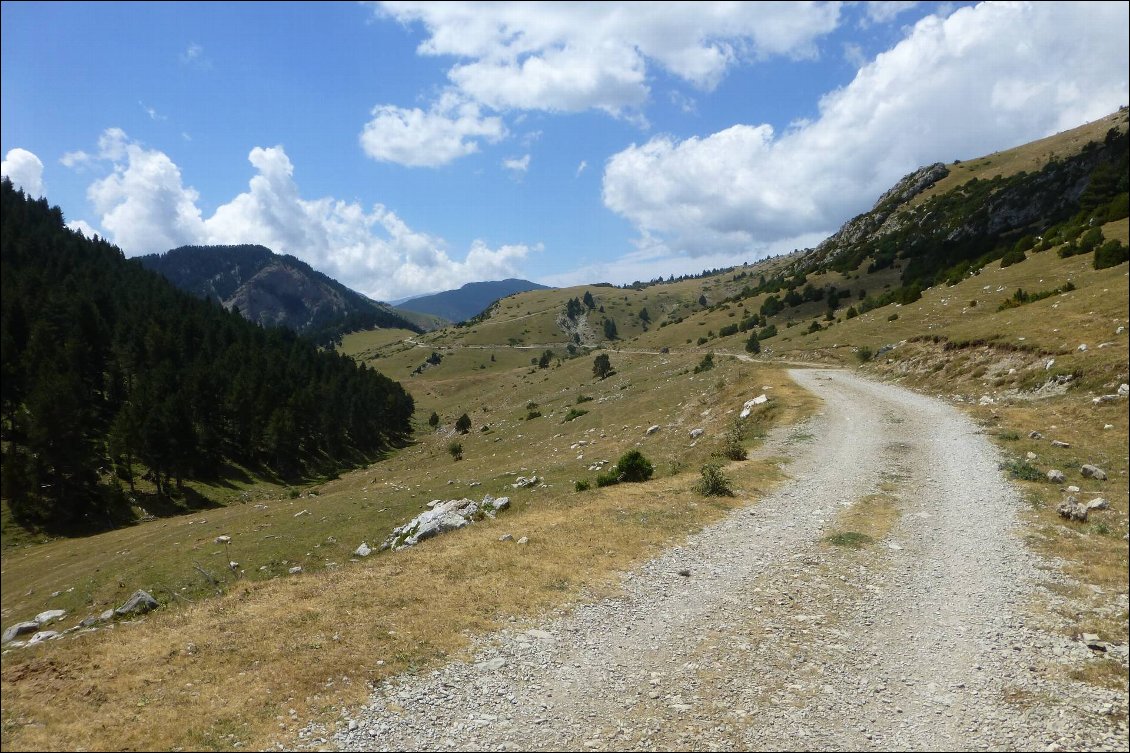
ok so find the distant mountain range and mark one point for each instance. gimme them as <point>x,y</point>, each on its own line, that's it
<point>469,300</point>
<point>273,290</point>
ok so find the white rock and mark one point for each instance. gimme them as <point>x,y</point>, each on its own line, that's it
<point>295,570</point>
<point>524,540</point>
<point>1082,347</point>
<point>363,550</point>
<point>50,616</point>
<point>223,539</point>
<point>652,429</point>
<point>1098,504</point>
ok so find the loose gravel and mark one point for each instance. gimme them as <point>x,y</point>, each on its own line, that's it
<point>758,634</point>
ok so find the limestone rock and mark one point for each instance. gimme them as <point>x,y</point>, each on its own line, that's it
<point>20,628</point>
<point>696,433</point>
<point>1124,390</point>
<point>1093,471</point>
<point>1058,443</point>
<point>1072,510</point>
<point>140,603</point>
<point>1035,435</point>
<point>1098,503</point>
<point>43,635</point>
<point>295,570</point>
<point>523,483</point>
<point>49,616</point>
<point>524,540</point>
<point>747,408</point>
<point>223,539</point>
<point>1056,476</point>
<point>444,517</point>
<point>652,429</point>
<point>363,550</point>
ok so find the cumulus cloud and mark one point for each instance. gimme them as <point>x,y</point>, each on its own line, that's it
<point>955,87</point>
<point>517,165</point>
<point>83,227</point>
<point>145,207</point>
<point>571,57</point>
<point>25,170</point>
<point>418,138</point>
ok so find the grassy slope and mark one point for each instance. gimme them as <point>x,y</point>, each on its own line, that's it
<point>270,644</point>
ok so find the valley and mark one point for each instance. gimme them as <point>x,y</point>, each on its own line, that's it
<point>891,571</point>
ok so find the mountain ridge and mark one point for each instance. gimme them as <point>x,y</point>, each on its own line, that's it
<point>470,299</point>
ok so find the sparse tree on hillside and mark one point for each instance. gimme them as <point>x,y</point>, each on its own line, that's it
<point>463,425</point>
<point>546,358</point>
<point>589,301</point>
<point>610,329</point>
<point>753,345</point>
<point>601,366</point>
<point>433,420</point>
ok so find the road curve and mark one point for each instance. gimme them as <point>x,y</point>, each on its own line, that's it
<point>778,640</point>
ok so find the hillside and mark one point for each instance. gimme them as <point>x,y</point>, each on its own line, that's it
<point>119,389</point>
<point>469,300</point>
<point>851,573</point>
<point>275,290</point>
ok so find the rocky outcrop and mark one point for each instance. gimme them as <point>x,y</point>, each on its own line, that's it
<point>443,517</point>
<point>139,603</point>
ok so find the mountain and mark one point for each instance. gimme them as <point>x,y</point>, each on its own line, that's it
<point>464,303</point>
<point>274,290</point>
<point>112,376</point>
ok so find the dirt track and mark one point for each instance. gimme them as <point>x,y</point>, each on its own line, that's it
<point>758,634</point>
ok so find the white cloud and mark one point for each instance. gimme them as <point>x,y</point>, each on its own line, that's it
<point>145,207</point>
<point>152,111</point>
<point>416,138</point>
<point>517,164</point>
<point>581,168</point>
<point>25,170</point>
<point>193,55</point>
<point>984,78</point>
<point>83,227</point>
<point>885,12</point>
<point>568,57</point>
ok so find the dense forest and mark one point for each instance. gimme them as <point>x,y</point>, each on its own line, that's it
<point>111,373</point>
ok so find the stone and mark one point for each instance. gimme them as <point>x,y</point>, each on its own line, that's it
<point>106,616</point>
<point>1098,503</point>
<point>1031,456</point>
<point>1072,510</point>
<point>696,433</point>
<point>363,550</point>
<point>1105,399</point>
<point>685,573</point>
<point>524,540</point>
<point>50,615</point>
<point>20,628</point>
<point>490,665</point>
<point>443,517</point>
<point>747,408</point>
<point>1093,471</point>
<point>652,429</point>
<point>295,570</point>
<point>43,635</point>
<point>1058,443</point>
<point>1082,348</point>
<point>1056,476</point>
<point>139,603</point>
<point>1092,640</point>
<point>506,537</point>
<point>524,483</point>
<point>223,539</point>
<point>1035,435</point>
<point>300,513</point>
<point>1124,390</point>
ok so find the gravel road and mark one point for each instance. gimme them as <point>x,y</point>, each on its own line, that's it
<point>757,634</point>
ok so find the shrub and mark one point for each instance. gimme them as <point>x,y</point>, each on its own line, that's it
<point>713,482</point>
<point>583,399</point>
<point>574,413</point>
<point>732,448</point>
<point>864,354</point>
<point>892,317</point>
<point>456,449</point>
<point>706,364</point>
<point>463,425</point>
<point>433,420</point>
<point>1111,254</point>
<point>753,345</point>
<point>531,415</point>
<point>582,486</point>
<point>1014,256</point>
<point>1023,470</point>
<point>632,466</point>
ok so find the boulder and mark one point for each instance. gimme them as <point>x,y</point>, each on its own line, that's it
<point>1093,471</point>
<point>363,550</point>
<point>1124,390</point>
<point>43,635</point>
<point>1056,476</point>
<point>1071,509</point>
<point>523,483</point>
<point>747,408</point>
<point>223,539</point>
<point>49,616</point>
<point>696,433</point>
<point>443,517</point>
<point>140,603</point>
<point>1035,435</point>
<point>20,628</point>
<point>1098,503</point>
<point>652,429</point>
<point>295,570</point>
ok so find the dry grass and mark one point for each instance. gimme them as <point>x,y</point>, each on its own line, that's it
<point>228,670</point>
<point>866,521</point>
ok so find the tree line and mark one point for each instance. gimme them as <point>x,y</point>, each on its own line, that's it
<point>109,372</point>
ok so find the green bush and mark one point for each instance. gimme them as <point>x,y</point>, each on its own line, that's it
<point>713,482</point>
<point>633,466</point>
<point>1023,470</point>
<point>1015,256</point>
<point>531,415</point>
<point>456,449</point>
<point>706,364</point>
<point>864,354</point>
<point>1111,254</point>
<point>574,413</point>
<point>582,486</point>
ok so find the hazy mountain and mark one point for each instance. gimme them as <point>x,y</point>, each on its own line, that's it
<point>469,300</point>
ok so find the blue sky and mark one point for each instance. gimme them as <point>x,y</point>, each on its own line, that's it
<point>406,148</point>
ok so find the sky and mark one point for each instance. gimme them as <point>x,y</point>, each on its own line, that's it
<point>408,148</point>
